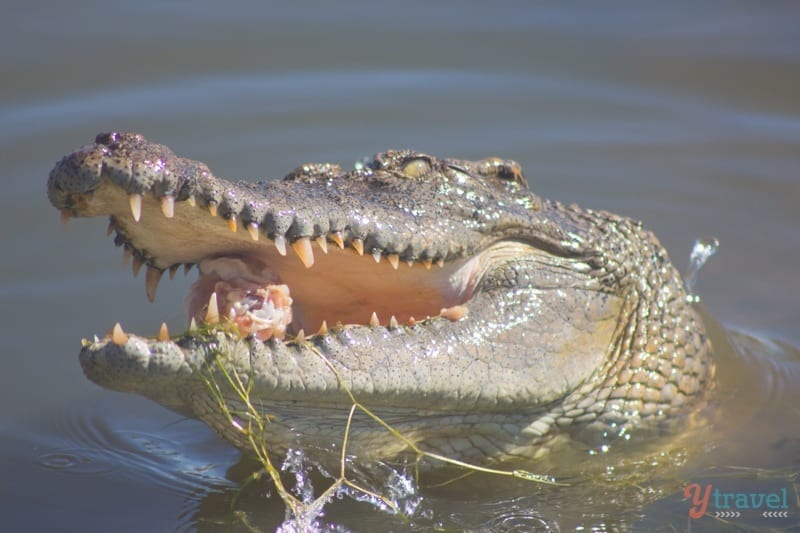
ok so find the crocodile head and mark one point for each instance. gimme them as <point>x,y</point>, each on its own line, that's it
<point>473,316</point>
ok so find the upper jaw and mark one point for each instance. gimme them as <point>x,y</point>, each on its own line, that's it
<point>143,185</point>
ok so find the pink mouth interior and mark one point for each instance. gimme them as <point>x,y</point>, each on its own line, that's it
<point>268,295</point>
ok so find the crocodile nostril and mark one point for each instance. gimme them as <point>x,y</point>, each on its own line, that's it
<point>504,169</point>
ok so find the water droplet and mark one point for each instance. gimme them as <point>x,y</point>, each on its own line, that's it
<point>702,250</point>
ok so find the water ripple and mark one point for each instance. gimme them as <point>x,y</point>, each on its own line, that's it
<point>77,461</point>
<point>172,457</point>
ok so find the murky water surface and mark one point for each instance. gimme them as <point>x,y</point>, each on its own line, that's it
<point>685,116</point>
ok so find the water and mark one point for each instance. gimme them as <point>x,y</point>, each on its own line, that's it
<point>685,116</point>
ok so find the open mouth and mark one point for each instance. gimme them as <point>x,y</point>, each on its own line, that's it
<point>285,259</point>
<point>271,287</point>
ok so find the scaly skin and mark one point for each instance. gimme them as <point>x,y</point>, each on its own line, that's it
<point>570,321</point>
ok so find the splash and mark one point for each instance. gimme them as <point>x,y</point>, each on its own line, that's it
<point>702,250</point>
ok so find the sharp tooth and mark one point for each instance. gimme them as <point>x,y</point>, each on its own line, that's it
<point>168,206</point>
<point>394,260</point>
<point>427,263</point>
<point>410,263</point>
<point>412,321</point>
<point>65,216</point>
<point>151,279</point>
<point>187,267</point>
<point>323,329</point>
<point>280,244</point>
<point>212,209</point>
<point>377,256</point>
<point>110,228</point>
<point>137,265</point>
<point>173,269</point>
<point>358,245</point>
<point>126,255</point>
<point>301,336</point>
<point>337,238</point>
<point>373,320</point>
<point>232,223</point>
<point>393,322</point>
<point>440,262</point>
<point>192,325</point>
<point>96,340</point>
<point>212,313</point>
<point>252,229</point>
<point>136,205</point>
<point>118,336</point>
<point>457,312</point>
<point>322,243</point>
<point>163,333</point>
<point>302,248</point>
<point>191,201</point>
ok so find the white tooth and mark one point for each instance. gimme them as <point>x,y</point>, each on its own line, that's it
<point>427,263</point>
<point>394,260</point>
<point>337,238</point>
<point>280,244</point>
<point>212,209</point>
<point>126,255</point>
<point>191,201</point>
<point>393,322</point>
<point>373,320</point>
<point>252,229</point>
<point>212,313</point>
<point>322,243</point>
<point>301,336</point>
<point>110,228</point>
<point>440,262</point>
<point>358,245</point>
<point>168,206</point>
<point>377,256</point>
<point>118,336</point>
<point>151,279</point>
<point>163,333</point>
<point>410,263</point>
<point>136,205</point>
<point>323,329</point>
<point>192,325</point>
<point>302,248</point>
<point>136,265</point>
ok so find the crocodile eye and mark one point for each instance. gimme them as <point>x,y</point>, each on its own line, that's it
<point>504,169</point>
<point>416,168</point>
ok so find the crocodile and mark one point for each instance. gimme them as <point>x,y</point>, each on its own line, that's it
<point>476,318</point>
